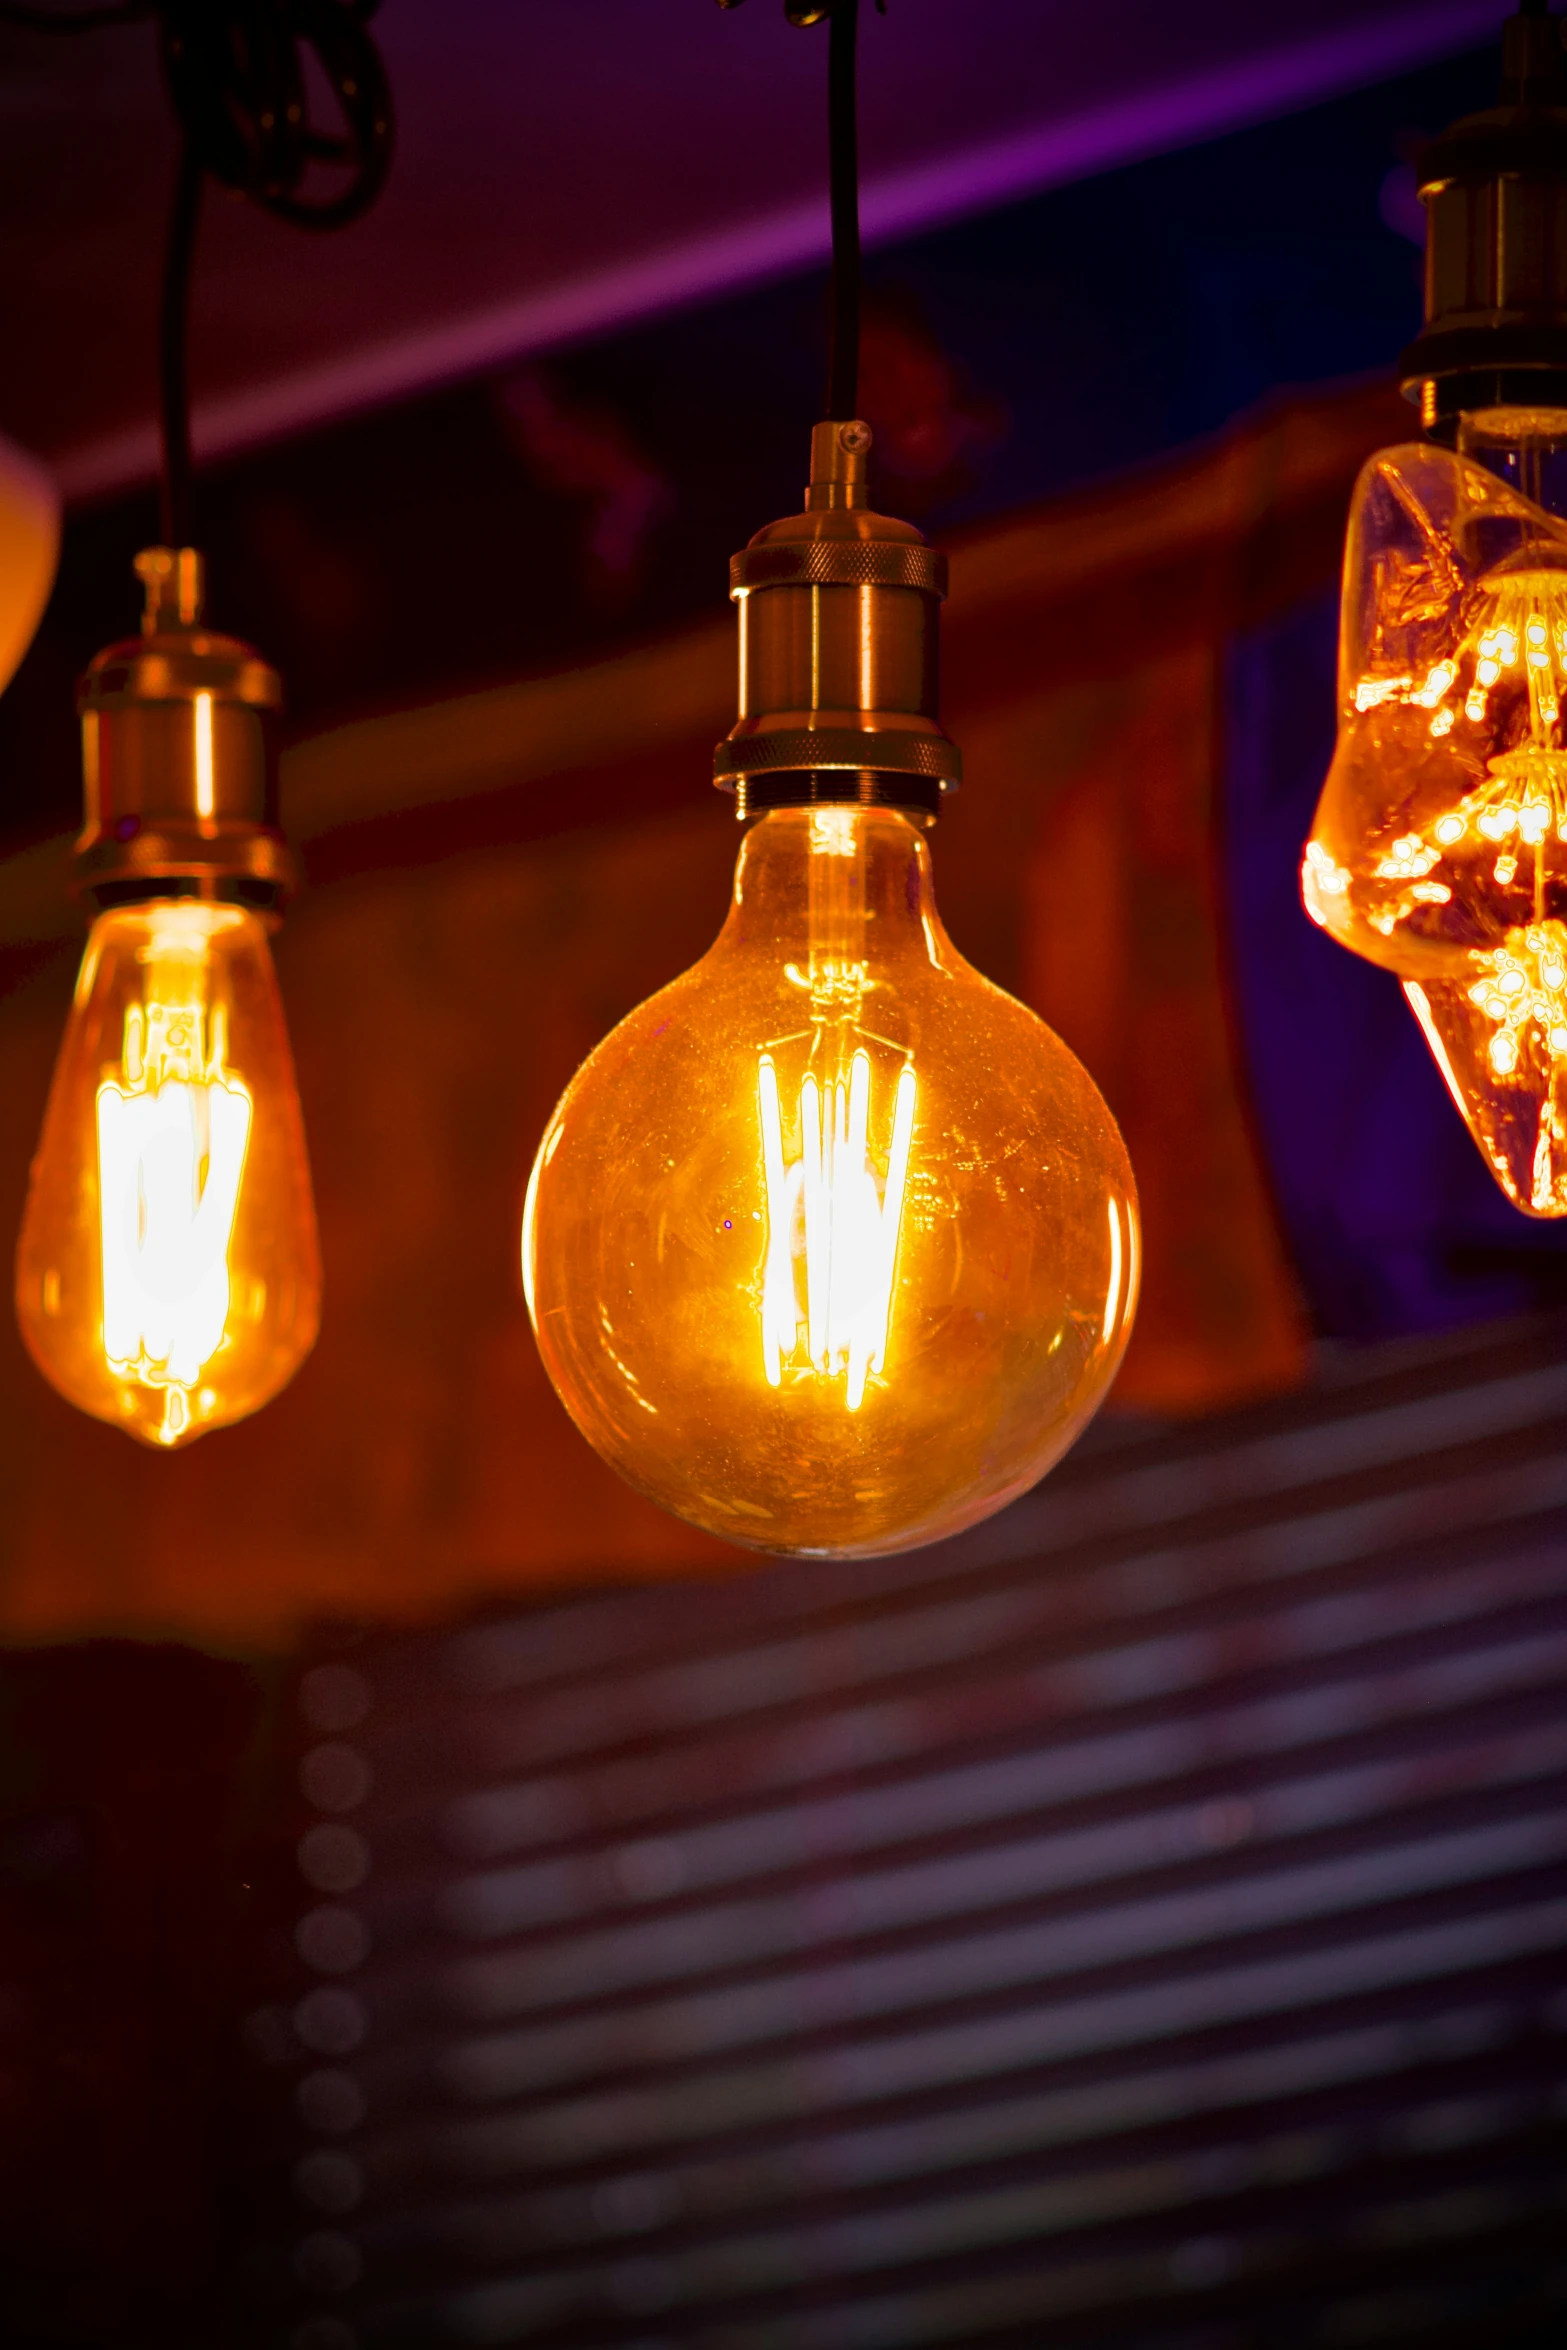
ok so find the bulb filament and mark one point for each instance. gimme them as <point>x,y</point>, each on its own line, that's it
<point>173,1127</point>
<point>829,1221</point>
<point>1516,657</point>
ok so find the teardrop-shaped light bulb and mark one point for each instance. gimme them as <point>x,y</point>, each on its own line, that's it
<point>831,1246</point>
<point>168,1275</point>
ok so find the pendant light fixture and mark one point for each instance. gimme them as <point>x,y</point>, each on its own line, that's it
<point>832,1247</point>
<point>1439,847</point>
<point>168,1274</point>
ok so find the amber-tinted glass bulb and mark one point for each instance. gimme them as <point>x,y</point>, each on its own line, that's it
<point>1439,847</point>
<point>1443,823</point>
<point>1499,1034</point>
<point>831,1246</point>
<point>168,1274</point>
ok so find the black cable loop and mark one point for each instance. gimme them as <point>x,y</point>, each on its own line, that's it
<point>843,180</point>
<point>235,71</point>
<point>235,75</point>
<point>236,79</point>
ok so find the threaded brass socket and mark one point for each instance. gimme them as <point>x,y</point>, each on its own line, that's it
<point>179,765</point>
<point>839,671</point>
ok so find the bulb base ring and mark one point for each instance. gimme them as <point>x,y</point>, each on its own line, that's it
<point>884,750</point>
<point>817,787</point>
<point>1483,369</point>
<point>237,864</point>
<point>1494,187</point>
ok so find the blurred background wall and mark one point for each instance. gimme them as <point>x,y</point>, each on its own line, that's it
<point>444,1899</point>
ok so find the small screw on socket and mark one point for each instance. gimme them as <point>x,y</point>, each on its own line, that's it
<point>855,438</point>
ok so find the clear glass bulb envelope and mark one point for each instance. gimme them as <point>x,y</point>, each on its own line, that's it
<point>168,1275</point>
<point>831,1246</point>
<point>1439,846</point>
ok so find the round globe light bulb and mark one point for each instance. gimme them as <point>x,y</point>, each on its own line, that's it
<point>168,1276</point>
<point>832,1246</point>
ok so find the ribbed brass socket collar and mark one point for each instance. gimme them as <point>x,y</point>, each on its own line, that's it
<point>838,610</point>
<point>179,765</point>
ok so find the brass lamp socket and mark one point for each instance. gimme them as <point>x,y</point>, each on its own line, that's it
<point>1494,187</point>
<point>179,762</point>
<point>839,610</point>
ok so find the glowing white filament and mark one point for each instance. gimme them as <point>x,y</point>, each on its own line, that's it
<point>172,1137</point>
<point>204,800</point>
<point>778,1315</point>
<point>827,1208</point>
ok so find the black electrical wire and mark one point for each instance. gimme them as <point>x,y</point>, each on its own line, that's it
<point>179,255</point>
<point>842,18</point>
<point>843,180</point>
<point>235,71</point>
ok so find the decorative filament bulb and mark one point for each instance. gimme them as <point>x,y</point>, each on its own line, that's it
<point>167,1273</point>
<point>1439,847</point>
<point>831,1246</point>
<point>1471,764</point>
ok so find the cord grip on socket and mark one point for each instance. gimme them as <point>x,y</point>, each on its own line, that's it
<point>179,760</point>
<point>839,674</point>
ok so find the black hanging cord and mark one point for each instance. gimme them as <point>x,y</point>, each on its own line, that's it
<point>236,78</point>
<point>235,71</point>
<point>843,180</point>
<point>173,341</point>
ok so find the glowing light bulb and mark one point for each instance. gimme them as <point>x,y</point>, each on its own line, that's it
<point>1499,1035</point>
<point>168,1277</point>
<point>1443,823</point>
<point>1439,848</point>
<point>831,1246</point>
